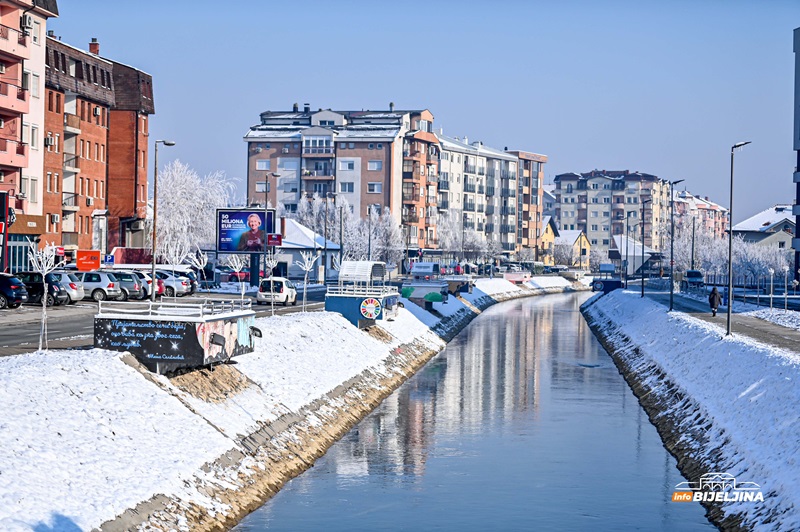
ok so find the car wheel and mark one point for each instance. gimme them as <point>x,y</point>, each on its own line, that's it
<point>294,301</point>
<point>72,301</point>
<point>123,296</point>
<point>50,301</point>
<point>169,292</point>
<point>3,301</point>
<point>286,301</point>
<point>14,305</point>
<point>98,295</point>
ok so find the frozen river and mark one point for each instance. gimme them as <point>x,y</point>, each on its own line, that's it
<point>522,423</point>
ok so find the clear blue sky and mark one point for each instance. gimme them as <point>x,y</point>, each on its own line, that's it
<point>659,87</point>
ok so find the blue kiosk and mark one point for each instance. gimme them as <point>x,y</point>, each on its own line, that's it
<point>362,295</point>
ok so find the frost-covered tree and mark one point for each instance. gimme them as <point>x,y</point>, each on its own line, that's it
<point>307,264</point>
<point>563,253</point>
<point>187,205</point>
<point>270,262</point>
<point>388,240</point>
<point>596,258</point>
<point>237,263</point>
<point>43,261</point>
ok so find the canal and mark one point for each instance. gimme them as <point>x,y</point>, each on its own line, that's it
<point>522,423</point>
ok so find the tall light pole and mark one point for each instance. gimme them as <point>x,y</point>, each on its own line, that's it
<point>154,284</point>
<point>644,202</point>
<point>325,237</point>
<point>266,209</point>
<point>693,220</point>
<point>730,243</point>
<point>672,240</point>
<point>627,245</point>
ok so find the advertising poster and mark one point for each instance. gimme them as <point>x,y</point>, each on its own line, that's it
<point>244,230</point>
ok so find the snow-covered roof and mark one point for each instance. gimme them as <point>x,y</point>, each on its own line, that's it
<point>633,246</point>
<point>768,221</point>
<point>261,132</point>
<point>361,271</point>
<point>369,132</point>
<point>568,237</point>
<point>301,237</point>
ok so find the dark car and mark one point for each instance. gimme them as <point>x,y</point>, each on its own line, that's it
<point>12,291</point>
<point>33,283</point>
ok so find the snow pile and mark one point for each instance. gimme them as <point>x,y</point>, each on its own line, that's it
<point>747,391</point>
<point>553,281</point>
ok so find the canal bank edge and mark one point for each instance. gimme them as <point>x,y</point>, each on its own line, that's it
<point>245,477</point>
<point>682,422</point>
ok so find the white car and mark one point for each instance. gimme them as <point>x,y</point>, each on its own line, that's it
<point>277,290</point>
<point>175,285</point>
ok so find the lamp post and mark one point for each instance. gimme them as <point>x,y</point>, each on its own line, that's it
<point>325,237</point>
<point>627,245</point>
<point>672,240</point>
<point>693,220</point>
<point>644,202</point>
<point>153,283</point>
<point>266,204</point>
<point>730,243</point>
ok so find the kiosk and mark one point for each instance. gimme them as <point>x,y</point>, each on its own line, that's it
<point>362,295</point>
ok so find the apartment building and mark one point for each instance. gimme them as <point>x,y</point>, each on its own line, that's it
<point>701,213</point>
<point>529,200</point>
<point>373,159</point>
<point>605,203</point>
<point>22,65</point>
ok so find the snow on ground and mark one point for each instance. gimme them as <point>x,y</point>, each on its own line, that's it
<point>749,390</point>
<point>552,281</point>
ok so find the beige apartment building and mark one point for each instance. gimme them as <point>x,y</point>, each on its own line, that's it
<point>606,203</point>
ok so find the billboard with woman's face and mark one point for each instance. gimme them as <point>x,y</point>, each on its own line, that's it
<point>244,230</point>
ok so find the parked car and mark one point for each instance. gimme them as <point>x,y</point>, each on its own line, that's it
<point>130,284</point>
<point>100,285</point>
<point>70,283</point>
<point>693,279</point>
<point>227,274</point>
<point>160,288</point>
<point>175,285</point>
<point>12,291</point>
<point>278,290</point>
<point>36,290</point>
<point>145,281</point>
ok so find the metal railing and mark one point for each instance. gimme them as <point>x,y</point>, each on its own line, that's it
<point>171,308</point>
<point>361,291</point>
<point>69,199</point>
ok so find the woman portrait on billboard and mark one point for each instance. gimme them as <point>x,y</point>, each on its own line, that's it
<point>254,239</point>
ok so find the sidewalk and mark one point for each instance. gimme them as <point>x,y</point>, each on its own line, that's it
<point>763,331</point>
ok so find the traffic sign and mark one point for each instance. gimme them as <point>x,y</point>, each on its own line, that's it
<point>274,239</point>
<point>60,251</point>
<point>108,259</point>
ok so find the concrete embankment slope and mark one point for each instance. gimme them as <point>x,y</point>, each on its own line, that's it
<point>90,439</point>
<point>721,404</point>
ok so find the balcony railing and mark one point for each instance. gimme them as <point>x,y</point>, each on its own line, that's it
<point>411,197</point>
<point>508,211</point>
<point>409,218</point>
<point>432,178</point>
<point>72,161</point>
<point>69,199</point>
<point>469,225</point>
<point>69,239</point>
<point>481,170</point>
<point>490,191</point>
<point>444,205</point>
<point>508,193</point>
<point>489,228</point>
<point>481,189</point>
<point>509,246</point>
<point>469,168</point>
<point>506,228</point>
<point>432,200</point>
<point>489,209</point>
<point>311,150</point>
<point>481,207</point>
<point>72,123</point>
<point>480,227</point>
<point>14,42</point>
<point>13,153</point>
<point>469,207</point>
<point>444,185</point>
<point>430,221</point>
<point>469,187</point>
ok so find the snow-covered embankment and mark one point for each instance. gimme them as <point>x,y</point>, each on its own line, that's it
<point>91,439</point>
<point>721,404</point>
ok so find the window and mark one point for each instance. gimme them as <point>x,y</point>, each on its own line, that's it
<point>96,151</point>
<point>352,145</point>
<point>370,146</point>
<point>781,245</point>
<point>326,122</point>
<point>606,200</point>
<point>36,32</point>
<point>23,185</point>
<point>321,188</point>
<point>263,164</point>
<point>49,181</point>
<point>605,241</point>
<point>594,227</point>
<point>347,165</point>
<point>346,187</point>
<point>374,188</point>
<point>595,186</point>
<point>34,136</point>
<point>594,241</point>
<point>261,187</point>
<point>33,197</point>
<point>380,146</point>
<point>375,165</point>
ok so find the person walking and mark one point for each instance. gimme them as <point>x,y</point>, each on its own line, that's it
<point>714,300</point>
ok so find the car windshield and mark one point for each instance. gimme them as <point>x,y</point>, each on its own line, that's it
<point>694,274</point>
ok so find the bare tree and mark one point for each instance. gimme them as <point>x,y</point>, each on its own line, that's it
<point>270,262</point>
<point>43,262</point>
<point>307,264</point>
<point>563,253</point>
<point>237,264</point>
<point>199,260</point>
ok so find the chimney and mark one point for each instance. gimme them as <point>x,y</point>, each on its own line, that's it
<point>51,33</point>
<point>306,107</point>
<point>391,106</point>
<point>466,140</point>
<point>283,226</point>
<point>295,108</point>
<point>94,46</point>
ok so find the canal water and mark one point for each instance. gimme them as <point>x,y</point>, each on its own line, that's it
<point>522,423</point>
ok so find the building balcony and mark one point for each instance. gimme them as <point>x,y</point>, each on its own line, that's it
<point>481,170</point>
<point>509,246</point>
<point>318,151</point>
<point>14,43</point>
<point>507,229</point>
<point>69,202</point>
<point>481,189</point>
<point>489,228</point>
<point>481,207</point>
<point>432,179</point>
<point>469,207</point>
<point>14,99</point>
<point>411,197</point>
<point>72,124</point>
<point>469,168</point>
<point>480,227</point>
<point>490,191</point>
<point>433,158</point>
<point>72,163</point>
<point>432,242</point>
<point>508,193</point>
<point>469,187</point>
<point>432,200</point>
<point>489,209</point>
<point>13,153</point>
<point>69,238</point>
<point>412,176</point>
<point>444,185</point>
<point>469,225</point>
<point>508,211</point>
<point>317,175</point>
<point>444,205</point>
<point>430,221</point>
<point>410,218</point>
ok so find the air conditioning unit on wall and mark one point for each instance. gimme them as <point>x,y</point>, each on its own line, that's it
<point>26,21</point>
<point>137,225</point>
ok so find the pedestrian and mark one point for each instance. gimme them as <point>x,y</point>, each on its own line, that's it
<point>714,300</point>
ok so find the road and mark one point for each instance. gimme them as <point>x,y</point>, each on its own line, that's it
<point>73,326</point>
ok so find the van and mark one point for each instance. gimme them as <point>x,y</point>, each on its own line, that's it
<point>693,279</point>
<point>277,290</point>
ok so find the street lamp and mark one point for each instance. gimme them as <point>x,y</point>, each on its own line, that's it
<point>730,243</point>
<point>672,240</point>
<point>153,283</point>
<point>266,214</point>
<point>644,202</point>
<point>325,237</point>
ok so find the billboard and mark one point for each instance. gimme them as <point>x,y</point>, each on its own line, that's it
<point>244,230</point>
<point>87,260</point>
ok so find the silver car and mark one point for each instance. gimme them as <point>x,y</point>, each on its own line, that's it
<point>70,283</point>
<point>100,285</point>
<point>174,283</point>
<point>130,284</point>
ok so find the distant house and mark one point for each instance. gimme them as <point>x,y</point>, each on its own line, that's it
<point>771,227</point>
<point>549,235</point>
<point>298,238</point>
<point>578,245</point>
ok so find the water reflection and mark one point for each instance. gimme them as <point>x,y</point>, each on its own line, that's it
<point>522,422</point>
